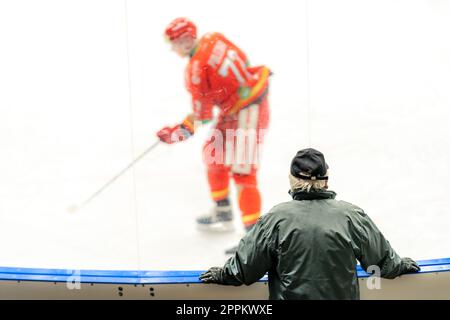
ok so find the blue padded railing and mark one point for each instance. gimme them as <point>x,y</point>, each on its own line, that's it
<point>153,277</point>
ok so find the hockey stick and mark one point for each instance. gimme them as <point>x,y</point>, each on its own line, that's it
<point>74,208</point>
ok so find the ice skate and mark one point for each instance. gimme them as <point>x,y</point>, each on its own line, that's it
<point>219,219</point>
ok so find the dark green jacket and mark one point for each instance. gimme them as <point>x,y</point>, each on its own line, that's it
<point>310,247</point>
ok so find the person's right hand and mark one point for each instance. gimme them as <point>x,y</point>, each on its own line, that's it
<point>174,134</point>
<point>165,135</point>
<point>409,265</point>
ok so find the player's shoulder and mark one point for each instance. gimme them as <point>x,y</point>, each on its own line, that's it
<point>210,45</point>
<point>210,40</point>
<point>212,36</point>
<point>204,47</point>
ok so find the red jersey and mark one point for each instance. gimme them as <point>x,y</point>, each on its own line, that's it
<point>219,74</point>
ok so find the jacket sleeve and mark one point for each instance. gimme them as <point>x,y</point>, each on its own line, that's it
<point>374,249</point>
<point>252,259</point>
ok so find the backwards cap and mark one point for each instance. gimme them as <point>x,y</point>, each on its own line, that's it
<point>311,162</point>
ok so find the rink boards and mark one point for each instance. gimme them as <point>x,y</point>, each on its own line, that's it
<point>432,282</point>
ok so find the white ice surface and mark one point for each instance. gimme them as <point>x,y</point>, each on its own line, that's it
<point>379,79</point>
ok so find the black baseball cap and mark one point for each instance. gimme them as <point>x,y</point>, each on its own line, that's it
<point>309,161</point>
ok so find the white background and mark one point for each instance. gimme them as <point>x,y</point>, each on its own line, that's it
<point>365,82</point>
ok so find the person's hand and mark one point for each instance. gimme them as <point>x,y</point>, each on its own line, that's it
<point>213,275</point>
<point>409,265</point>
<point>165,135</point>
<point>171,135</point>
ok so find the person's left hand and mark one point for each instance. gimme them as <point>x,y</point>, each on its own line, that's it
<point>409,265</point>
<point>213,275</point>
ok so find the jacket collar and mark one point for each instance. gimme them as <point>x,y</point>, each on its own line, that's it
<point>313,195</point>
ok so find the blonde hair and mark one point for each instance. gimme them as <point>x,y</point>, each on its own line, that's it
<point>307,185</point>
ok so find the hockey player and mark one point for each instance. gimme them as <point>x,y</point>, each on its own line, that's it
<point>219,75</point>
